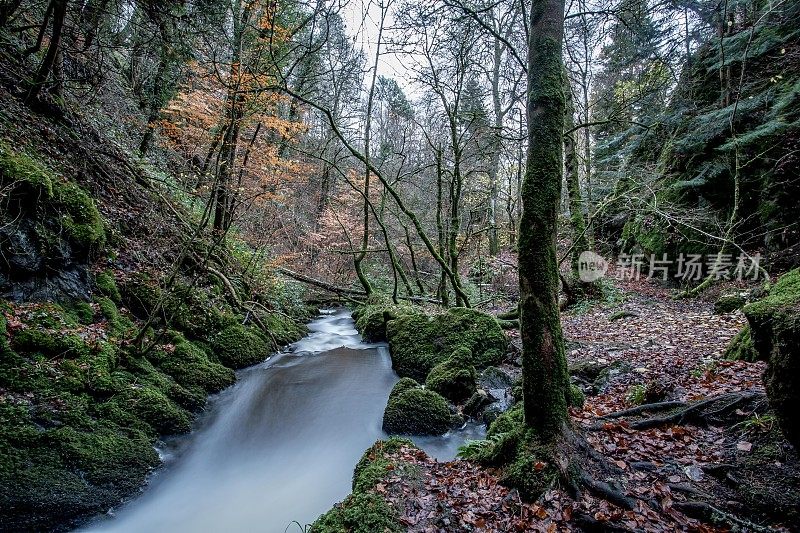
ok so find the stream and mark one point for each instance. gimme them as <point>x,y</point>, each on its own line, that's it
<point>278,448</point>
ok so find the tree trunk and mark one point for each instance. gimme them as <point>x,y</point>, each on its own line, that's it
<point>545,376</point>
<point>494,162</point>
<point>580,238</point>
<point>59,14</point>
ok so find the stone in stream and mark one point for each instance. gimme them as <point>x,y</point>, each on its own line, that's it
<point>412,410</point>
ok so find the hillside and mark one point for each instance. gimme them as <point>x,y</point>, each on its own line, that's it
<point>119,317</point>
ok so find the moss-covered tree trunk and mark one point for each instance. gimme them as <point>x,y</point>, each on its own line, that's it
<point>545,377</point>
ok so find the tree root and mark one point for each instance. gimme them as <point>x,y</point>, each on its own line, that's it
<point>648,407</point>
<point>694,412</point>
<point>707,512</point>
<point>603,490</point>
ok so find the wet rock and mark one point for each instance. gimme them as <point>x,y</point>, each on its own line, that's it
<point>495,378</point>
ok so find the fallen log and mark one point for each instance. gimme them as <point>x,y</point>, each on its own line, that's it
<point>344,291</point>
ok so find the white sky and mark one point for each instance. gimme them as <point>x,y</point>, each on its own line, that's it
<point>362,19</point>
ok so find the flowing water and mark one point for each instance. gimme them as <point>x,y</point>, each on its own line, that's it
<point>278,448</point>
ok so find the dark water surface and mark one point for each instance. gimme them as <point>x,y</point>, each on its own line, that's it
<point>280,445</point>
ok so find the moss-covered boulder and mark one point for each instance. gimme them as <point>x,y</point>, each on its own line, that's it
<point>775,331</point>
<point>455,378</point>
<point>372,317</point>
<point>106,285</point>
<point>366,510</point>
<point>190,366</point>
<point>729,302</point>
<point>50,229</point>
<point>419,341</point>
<point>239,346</point>
<point>741,347</point>
<point>412,410</point>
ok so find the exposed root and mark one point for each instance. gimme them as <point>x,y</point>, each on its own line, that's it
<point>646,408</point>
<point>707,512</point>
<point>695,412</point>
<point>601,489</point>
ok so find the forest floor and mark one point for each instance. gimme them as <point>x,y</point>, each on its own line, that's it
<point>726,468</point>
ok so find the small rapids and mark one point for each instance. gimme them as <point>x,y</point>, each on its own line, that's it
<point>278,448</point>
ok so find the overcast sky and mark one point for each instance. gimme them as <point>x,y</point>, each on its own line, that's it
<point>362,18</point>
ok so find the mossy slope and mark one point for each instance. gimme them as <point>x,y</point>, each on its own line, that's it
<point>366,510</point>
<point>775,331</point>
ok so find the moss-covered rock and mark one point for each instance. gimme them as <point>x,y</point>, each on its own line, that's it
<point>140,294</point>
<point>475,404</point>
<point>741,347</point>
<point>455,378</point>
<point>60,207</point>
<point>366,510</point>
<point>418,341</point>
<point>371,318</point>
<point>416,411</point>
<point>359,513</point>
<point>374,464</point>
<point>239,346</point>
<point>775,332</point>
<point>575,396</point>
<point>106,285</point>
<point>190,366</point>
<point>65,471</point>
<point>403,385</point>
<point>729,302</point>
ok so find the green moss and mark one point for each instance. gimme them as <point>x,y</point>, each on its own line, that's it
<point>25,174</point>
<point>741,347</point>
<point>140,294</point>
<point>65,471</point>
<point>366,511</point>
<point>58,208</point>
<point>80,218</point>
<point>371,318</point>
<point>37,337</point>
<point>576,397</point>
<point>417,411</point>
<point>107,286</point>
<point>81,311</point>
<point>154,408</point>
<point>359,513</point>
<point>418,342</point>
<point>119,326</point>
<point>107,454</point>
<point>190,366</point>
<point>455,378</point>
<point>374,465</point>
<point>403,385</point>
<point>238,346</point>
<point>282,328</point>
<point>775,332</point>
<point>728,303</point>
<point>510,421</point>
<point>530,472</point>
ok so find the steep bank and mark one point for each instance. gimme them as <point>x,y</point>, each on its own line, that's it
<point>119,317</point>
